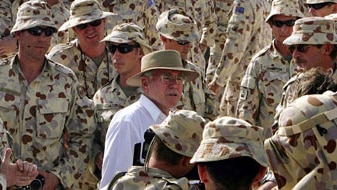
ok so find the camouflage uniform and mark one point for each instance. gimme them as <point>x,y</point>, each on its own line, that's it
<point>245,31</point>
<point>175,24</point>
<point>91,76</point>
<point>4,140</point>
<point>181,132</point>
<point>142,13</point>
<point>268,70</point>
<point>203,12</point>
<point>302,151</point>
<point>5,18</point>
<point>38,114</point>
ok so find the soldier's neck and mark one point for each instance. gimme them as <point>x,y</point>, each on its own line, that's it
<point>93,52</point>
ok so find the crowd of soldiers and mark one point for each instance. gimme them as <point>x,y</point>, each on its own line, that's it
<point>168,94</point>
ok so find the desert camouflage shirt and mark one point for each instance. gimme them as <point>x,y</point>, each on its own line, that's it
<point>38,114</point>
<point>90,76</point>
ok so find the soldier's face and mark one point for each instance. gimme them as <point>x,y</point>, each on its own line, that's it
<point>308,56</point>
<point>182,47</point>
<point>321,10</point>
<point>91,34</point>
<point>282,26</point>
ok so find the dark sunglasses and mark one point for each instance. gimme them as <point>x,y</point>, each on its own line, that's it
<point>318,5</point>
<point>183,42</point>
<point>37,31</point>
<point>93,24</point>
<point>299,48</point>
<point>122,48</point>
<point>279,23</point>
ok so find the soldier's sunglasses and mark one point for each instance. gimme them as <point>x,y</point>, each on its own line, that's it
<point>37,31</point>
<point>183,42</point>
<point>93,24</point>
<point>318,6</point>
<point>302,48</point>
<point>122,48</point>
<point>279,23</point>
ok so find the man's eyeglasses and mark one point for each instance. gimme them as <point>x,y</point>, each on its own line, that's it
<point>93,24</point>
<point>122,48</point>
<point>37,31</point>
<point>167,78</point>
<point>279,23</point>
<point>183,42</point>
<point>318,6</point>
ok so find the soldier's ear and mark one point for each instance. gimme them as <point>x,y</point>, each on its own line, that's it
<point>202,171</point>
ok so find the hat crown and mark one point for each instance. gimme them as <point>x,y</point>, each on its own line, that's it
<point>285,7</point>
<point>161,59</point>
<point>85,7</point>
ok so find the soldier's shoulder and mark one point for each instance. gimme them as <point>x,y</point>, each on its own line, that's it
<point>59,48</point>
<point>64,70</point>
<point>262,52</point>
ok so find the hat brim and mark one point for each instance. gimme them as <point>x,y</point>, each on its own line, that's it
<point>31,24</point>
<point>295,39</point>
<point>135,79</point>
<point>72,22</point>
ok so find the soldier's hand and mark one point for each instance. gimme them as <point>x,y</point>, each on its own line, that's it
<point>51,181</point>
<point>99,160</point>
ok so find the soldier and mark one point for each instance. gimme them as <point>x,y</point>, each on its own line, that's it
<point>302,153</point>
<point>87,55</point>
<point>162,77</point>
<point>321,8</point>
<point>41,103</point>
<point>247,33</point>
<point>269,69</point>
<point>231,154</point>
<point>173,145</point>
<point>127,46</point>
<point>178,32</point>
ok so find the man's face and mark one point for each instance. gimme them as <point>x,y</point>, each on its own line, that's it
<point>126,57</point>
<point>183,47</point>
<point>322,9</point>
<point>35,42</point>
<point>164,88</point>
<point>282,26</point>
<point>90,34</point>
<point>307,56</point>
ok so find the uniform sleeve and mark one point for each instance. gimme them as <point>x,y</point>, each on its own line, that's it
<point>209,24</point>
<point>6,22</point>
<point>150,19</point>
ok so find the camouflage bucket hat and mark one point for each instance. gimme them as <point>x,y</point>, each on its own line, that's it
<point>84,11</point>
<point>320,1</point>
<point>33,13</point>
<point>312,30</point>
<point>129,32</point>
<point>285,7</point>
<point>306,140</point>
<point>177,25</point>
<point>228,137</point>
<point>181,131</point>
<point>164,59</point>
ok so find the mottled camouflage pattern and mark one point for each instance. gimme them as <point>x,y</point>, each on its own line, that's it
<point>128,32</point>
<point>285,7</point>
<point>4,140</point>
<point>203,11</point>
<point>320,1</point>
<point>302,152</point>
<point>143,13</point>
<point>247,33</point>
<point>84,11</point>
<point>261,90</point>
<point>181,131</point>
<point>152,178</point>
<point>312,30</point>
<point>33,13</point>
<point>5,18</point>
<point>90,76</point>
<point>229,137</point>
<point>37,116</point>
<point>177,25</point>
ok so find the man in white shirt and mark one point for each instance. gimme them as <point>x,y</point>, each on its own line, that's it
<point>162,78</point>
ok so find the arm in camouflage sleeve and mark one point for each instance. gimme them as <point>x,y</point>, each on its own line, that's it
<point>239,33</point>
<point>209,26</point>
<point>5,17</point>
<point>80,127</point>
<point>150,18</point>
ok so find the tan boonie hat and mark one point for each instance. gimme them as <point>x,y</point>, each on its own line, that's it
<point>306,142</point>
<point>181,131</point>
<point>320,1</point>
<point>285,7</point>
<point>177,25</point>
<point>128,32</point>
<point>312,31</point>
<point>229,137</point>
<point>163,59</point>
<point>84,11</point>
<point>33,13</point>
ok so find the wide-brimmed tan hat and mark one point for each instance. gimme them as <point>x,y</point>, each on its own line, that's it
<point>33,13</point>
<point>129,32</point>
<point>229,137</point>
<point>177,25</point>
<point>163,59</point>
<point>285,7</point>
<point>312,31</point>
<point>181,131</point>
<point>84,11</point>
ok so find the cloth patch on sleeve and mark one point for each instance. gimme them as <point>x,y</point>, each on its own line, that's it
<point>243,93</point>
<point>239,10</point>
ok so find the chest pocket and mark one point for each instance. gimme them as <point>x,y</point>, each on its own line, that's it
<point>51,118</point>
